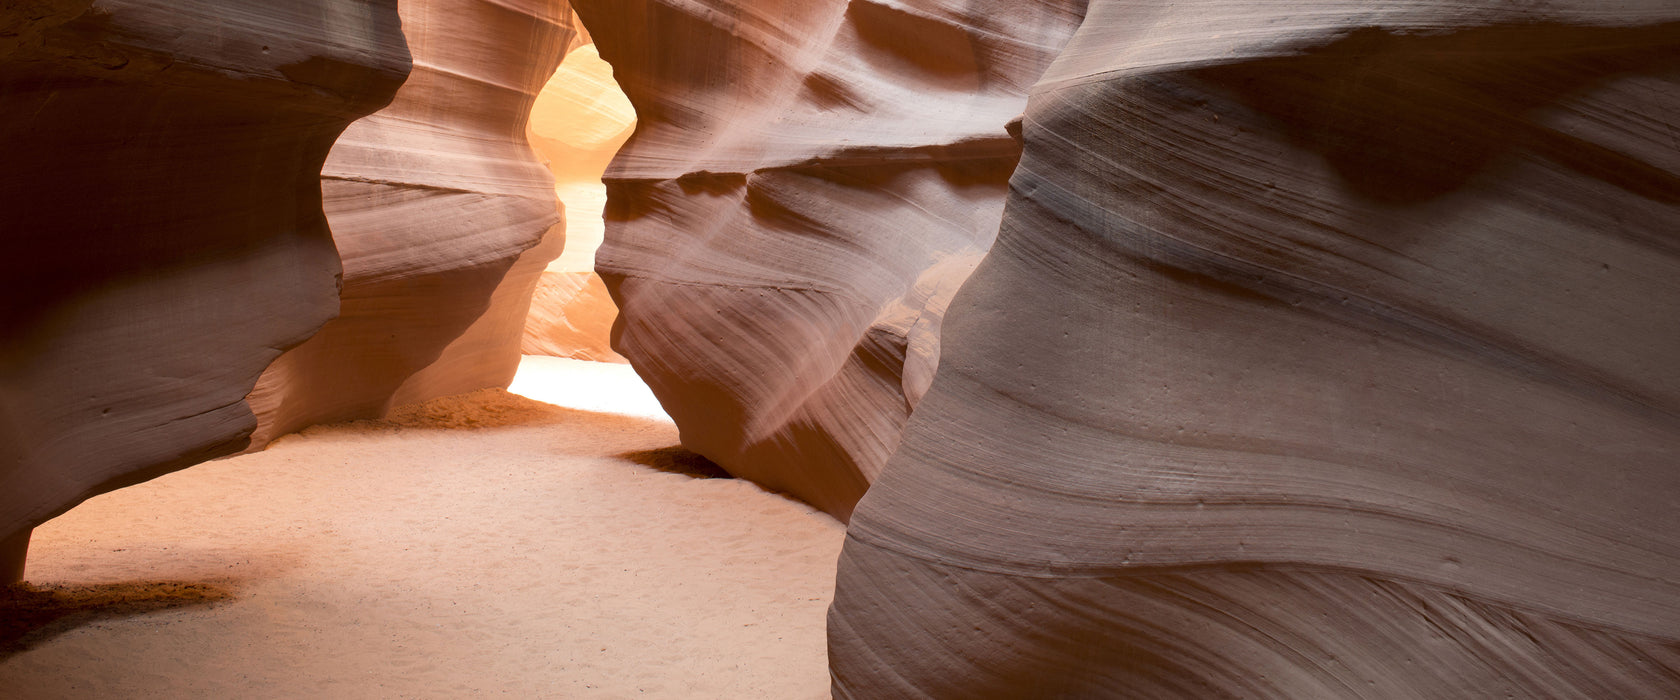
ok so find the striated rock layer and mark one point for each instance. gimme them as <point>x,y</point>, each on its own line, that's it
<point>807,185</point>
<point>437,204</point>
<point>161,208</point>
<point>1326,350</point>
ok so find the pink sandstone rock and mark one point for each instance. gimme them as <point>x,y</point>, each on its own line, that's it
<point>437,205</point>
<point>162,215</point>
<point>1326,350</point>
<point>807,185</point>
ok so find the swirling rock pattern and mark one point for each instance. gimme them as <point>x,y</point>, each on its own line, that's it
<point>162,213</point>
<point>438,207</point>
<point>807,185</point>
<point>1326,350</point>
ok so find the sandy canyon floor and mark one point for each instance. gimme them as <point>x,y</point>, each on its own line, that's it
<point>479,545</point>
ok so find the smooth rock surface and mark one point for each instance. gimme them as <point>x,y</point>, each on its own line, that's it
<point>1326,350</point>
<point>161,209</point>
<point>438,206</point>
<point>807,185</point>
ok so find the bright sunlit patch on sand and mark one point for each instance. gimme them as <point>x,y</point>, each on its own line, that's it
<point>602,387</point>
<point>481,545</point>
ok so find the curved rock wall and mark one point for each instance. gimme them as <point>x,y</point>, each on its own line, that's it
<point>808,184</point>
<point>437,205</point>
<point>161,207</point>
<point>1323,353</point>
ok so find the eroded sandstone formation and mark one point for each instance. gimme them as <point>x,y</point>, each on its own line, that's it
<point>578,122</point>
<point>1324,351</point>
<point>161,209</point>
<point>438,206</point>
<point>808,184</point>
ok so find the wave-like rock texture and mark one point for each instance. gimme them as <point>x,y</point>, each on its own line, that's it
<point>438,206</point>
<point>161,209</point>
<point>1326,350</point>
<point>807,185</point>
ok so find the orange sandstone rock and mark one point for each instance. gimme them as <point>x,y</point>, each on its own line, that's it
<point>578,123</point>
<point>437,205</point>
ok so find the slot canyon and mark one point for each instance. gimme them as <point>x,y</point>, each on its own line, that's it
<point>840,348</point>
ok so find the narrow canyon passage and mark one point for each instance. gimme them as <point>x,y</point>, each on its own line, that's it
<point>578,122</point>
<point>1145,350</point>
<point>467,546</point>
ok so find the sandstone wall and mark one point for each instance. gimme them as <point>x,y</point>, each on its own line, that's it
<point>1326,350</point>
<point>437,204</point>
<point>161,208</point>
<point>807,185</point>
